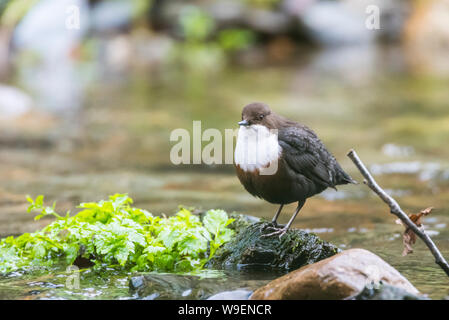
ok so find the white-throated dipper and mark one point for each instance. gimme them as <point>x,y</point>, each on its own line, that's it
<point>282,161</point>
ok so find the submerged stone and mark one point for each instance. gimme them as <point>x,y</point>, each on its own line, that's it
<point>168,286</point>
<point>250,250</point>
<point>164,286</point>
<point>239,294</point>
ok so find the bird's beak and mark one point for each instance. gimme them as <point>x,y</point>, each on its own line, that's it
<point>244,123</point>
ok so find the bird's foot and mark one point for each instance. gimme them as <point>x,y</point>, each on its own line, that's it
<point>279,231</point>
<point>272,226</point>
<point>276,225</point>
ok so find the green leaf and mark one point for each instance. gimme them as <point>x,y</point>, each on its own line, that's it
<point>71,252</point>
<point>39,201</point>
<point>122,255</point>
<point>154,249</point>
<point>169,237</point>
<point>39,251</point>
<point>216,220</point>
<point>193,245</point>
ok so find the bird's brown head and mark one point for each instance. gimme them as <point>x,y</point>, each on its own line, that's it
<point>258,113</point>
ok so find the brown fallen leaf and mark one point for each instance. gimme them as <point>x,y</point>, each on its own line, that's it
<point>409,237</point>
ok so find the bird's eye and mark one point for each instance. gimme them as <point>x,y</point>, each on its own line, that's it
<point>261,116</point>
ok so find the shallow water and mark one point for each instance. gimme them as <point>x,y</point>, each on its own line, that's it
<point>118,141</point>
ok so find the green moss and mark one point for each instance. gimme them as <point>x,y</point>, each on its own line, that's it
<point>250,250</point>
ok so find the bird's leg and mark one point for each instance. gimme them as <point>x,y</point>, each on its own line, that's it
<point>298,208</point>
<point>282,231</point>
<point>274,220</point>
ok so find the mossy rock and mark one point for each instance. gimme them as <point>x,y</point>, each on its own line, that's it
<point>249,250</point>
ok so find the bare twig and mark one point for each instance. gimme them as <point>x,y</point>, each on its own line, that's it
<point>397,211</point>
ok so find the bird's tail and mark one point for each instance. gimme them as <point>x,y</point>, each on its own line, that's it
<point>343,178</point>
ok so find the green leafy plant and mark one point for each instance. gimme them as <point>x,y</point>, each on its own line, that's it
<point>112,233</point>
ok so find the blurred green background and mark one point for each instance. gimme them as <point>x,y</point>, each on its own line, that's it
<point>86,109</point>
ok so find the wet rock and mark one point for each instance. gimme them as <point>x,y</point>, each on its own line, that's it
<point>232,295</point>
<point>107,16</point>
<point>393,17</point>
<point>162,286</point>
<point>383,291</point>
<point>249,250</point>
<point>336,23</point>
<point>37,33</point>
<point>337,277</point>
<point>347,22</point>
<point>169,286</point>
<point>62,92</point>
<point>82,262</point>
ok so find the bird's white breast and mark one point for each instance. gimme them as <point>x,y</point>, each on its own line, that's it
<point>256,148</point>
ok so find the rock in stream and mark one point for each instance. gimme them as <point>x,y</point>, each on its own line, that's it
<point>250,250</point>
<point>249,262</point>
<point>339,277</point>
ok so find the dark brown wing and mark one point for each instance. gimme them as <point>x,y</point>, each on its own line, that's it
<point>306,154</point>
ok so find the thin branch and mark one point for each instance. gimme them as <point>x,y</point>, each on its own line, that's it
<point>398,212</point>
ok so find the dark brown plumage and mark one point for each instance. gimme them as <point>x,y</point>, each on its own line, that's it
<point>304,166</point>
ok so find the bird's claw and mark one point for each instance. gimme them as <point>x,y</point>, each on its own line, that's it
<point>281,232</point>
<point>273,226</point>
